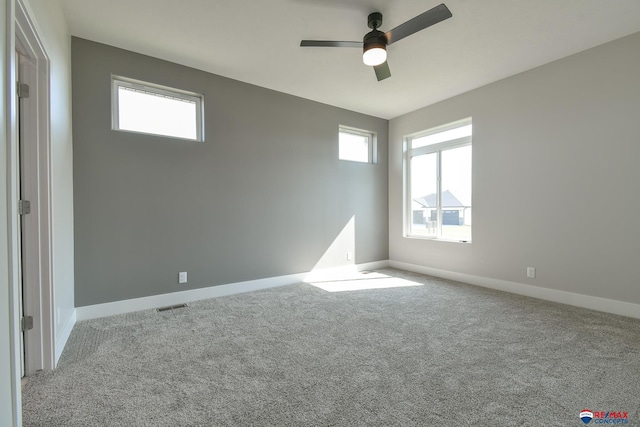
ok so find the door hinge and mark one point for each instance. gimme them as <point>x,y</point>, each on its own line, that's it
<point>26,323</point>
<point>24,207</point>
<point>22,89</point>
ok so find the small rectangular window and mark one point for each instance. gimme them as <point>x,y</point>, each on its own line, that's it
<point>356,145</point>
<point>438,166</point>
<point>158,110</point>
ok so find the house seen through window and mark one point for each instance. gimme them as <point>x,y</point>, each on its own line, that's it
<point>438,165</point>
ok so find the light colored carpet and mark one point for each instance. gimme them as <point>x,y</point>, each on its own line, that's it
<point>441,353</point>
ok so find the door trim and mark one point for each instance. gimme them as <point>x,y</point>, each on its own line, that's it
<point>39,298</point>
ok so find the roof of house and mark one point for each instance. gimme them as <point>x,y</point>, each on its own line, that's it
<point>448,200</point>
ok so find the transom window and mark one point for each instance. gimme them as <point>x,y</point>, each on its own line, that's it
<point>158,110</point>
<point>438,168</point>
<point>356,145</point>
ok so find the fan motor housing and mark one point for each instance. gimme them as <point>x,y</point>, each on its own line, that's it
<point>374,39</point>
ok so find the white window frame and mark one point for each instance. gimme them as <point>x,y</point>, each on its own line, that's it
<point>437,148</point>
<point>119,81</point>
<point>372,143</point>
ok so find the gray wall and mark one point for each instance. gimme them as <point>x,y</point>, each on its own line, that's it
<point>264,196</point>
<point>555,176</point>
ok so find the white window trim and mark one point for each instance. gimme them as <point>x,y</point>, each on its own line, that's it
<point>373,142</point>
<point>428,149</point>
<point>119,81</point>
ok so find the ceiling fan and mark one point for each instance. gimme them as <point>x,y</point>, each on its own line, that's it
<point>375,42</point>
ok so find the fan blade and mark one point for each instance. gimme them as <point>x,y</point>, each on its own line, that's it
<point>420,22</point>
<point>329,43</point>
<point>382,71</point>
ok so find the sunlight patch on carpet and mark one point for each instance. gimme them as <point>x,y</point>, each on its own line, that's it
<point>360,281</point>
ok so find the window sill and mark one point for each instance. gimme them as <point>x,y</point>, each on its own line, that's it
<point>438,239</point>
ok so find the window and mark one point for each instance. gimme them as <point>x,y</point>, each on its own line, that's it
<point>356,145</point>
<point>438,166</point>
<point>148,108</point>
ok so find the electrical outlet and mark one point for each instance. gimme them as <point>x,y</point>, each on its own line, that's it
<point>182,277</point>
<point>531,272</point>
<point>349,256</point>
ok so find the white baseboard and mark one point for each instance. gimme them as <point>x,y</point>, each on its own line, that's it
<point>182,297</point>
<point>373,265</point>
<point>61,342</point>
<point>127,306</point>
<point>345,270</point>
<point>579,300</point>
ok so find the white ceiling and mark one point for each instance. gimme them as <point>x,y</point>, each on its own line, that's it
<point>257,41</point>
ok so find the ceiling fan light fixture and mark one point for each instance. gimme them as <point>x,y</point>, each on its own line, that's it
<point>375,55</point>
<point>375,48</point>
<point>375,42</point>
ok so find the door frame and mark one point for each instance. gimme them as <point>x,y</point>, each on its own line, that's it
<point>37,242</point>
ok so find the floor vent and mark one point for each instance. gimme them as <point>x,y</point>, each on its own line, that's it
<point>172,307</point>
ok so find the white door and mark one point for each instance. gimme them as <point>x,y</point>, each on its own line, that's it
<point>32,181</point>
<point>29,280</point>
